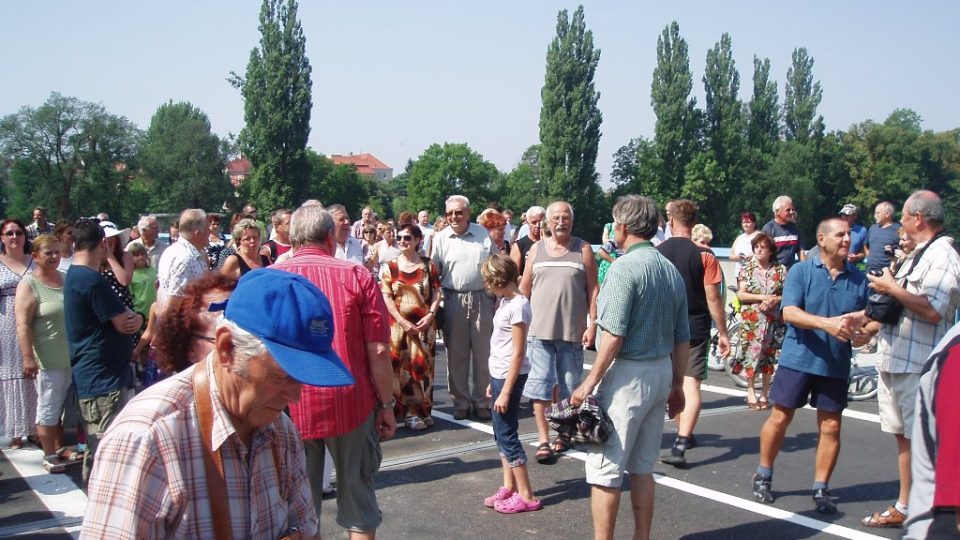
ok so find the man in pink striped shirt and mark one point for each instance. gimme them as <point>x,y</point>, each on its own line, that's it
<point>350,421</point>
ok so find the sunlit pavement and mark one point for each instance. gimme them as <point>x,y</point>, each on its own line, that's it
<point>432,483</point>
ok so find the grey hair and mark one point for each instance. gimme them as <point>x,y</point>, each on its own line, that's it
<point>927,204</point>
<point>310,225</point>
<point>193,220</point>
<point>638,214</point>
<point>780,201</point>
<point>245,346</point>
<point>554,203</point>
<point>277,217</point>
<point>536,211</point>
<point>241,227</point>
<point>886,207</point>
<point>312,202</point>
<point>457,198</point>
<point>144,221</point>
<point>337,208</point>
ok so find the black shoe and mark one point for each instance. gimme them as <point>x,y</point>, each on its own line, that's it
<point>691,442</point>
<point>675,457</point>
<point>761,489</point>
<point>823,501</point>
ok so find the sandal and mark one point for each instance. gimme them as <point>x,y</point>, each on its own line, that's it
<point>545,454</point>
<point>763,404</point>
<point>561,444</point>
<point>69,453</point>
<point>890,518</point>
<point>515,505</point>
<point>53,465</point>
<point>415,423</point>
<point>16,443</point>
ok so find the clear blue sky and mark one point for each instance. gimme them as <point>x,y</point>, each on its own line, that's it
<point>391,78</point>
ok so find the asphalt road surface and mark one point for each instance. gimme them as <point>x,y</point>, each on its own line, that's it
<point>432,483</point>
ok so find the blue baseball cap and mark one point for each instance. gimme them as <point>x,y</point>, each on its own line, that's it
<point>294,320</point>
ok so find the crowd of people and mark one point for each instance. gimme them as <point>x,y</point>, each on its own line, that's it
<point>295,347</point>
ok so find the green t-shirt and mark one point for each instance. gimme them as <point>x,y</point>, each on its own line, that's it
<point>143,287</point>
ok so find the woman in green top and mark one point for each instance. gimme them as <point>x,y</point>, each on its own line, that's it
<point>43,343</point>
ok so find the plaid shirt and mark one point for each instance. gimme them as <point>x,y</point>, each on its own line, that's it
<point>904,347</point>
<point>360,317</point>
<point>148,480</point>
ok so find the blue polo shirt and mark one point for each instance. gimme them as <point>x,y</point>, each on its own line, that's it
<point>858,238</point>
<point>810,288</point>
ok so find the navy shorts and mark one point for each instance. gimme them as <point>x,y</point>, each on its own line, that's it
<point>792,389</point>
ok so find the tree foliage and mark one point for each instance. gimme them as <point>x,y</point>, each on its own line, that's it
<point>678,120</point>
<point>763,127</point>
<point>277,101</point>
<point>570,122</point>
<point>523,186</point>
<point>183,161</point>
<point>341,184</point>
<point>71,156</point>
<point>802,99</point>
<point>447,170</point>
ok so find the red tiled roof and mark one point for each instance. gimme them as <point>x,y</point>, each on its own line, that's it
<point>363,162</point>
<point>239,166</point>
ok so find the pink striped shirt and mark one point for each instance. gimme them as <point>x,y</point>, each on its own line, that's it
<point>360,317</point>
<point>148,480</point>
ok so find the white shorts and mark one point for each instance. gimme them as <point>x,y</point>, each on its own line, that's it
<point>634,395</point>
<point>897,399</point>
<point>53,387</point>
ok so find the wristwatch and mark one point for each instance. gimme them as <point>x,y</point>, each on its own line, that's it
<point>388,405</point>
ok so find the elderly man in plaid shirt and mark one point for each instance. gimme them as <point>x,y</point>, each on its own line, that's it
<point>930,293</point>
<point>151,476</point>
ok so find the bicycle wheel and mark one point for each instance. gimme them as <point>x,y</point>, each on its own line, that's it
<point>715,362</point>
<point>863,384</point>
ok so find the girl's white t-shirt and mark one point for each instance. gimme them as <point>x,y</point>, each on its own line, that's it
<point>509,312</point>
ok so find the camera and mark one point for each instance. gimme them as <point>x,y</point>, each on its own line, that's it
<point>888,250</point>
<point>877,273</point>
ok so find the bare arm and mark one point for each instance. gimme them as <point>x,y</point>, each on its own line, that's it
<point>593,290</point>
<point>715,305</point>
<point>608,350</point>
<point>526,281</point>
<point>381,374</point>
<point>835,326</point>
<point>231,267</point>
<point>128,322</point>
<point>515,255</point>
<point>122,269</point>
<point>25,308</point>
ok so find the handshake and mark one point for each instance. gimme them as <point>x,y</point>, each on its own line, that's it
<point>849,327</point>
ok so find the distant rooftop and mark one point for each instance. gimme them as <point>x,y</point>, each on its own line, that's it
<point>366,164</point>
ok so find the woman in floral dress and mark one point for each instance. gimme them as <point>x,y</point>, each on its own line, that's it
<point>411,290</point>
<point>760,289</point>
<point>18,395</point>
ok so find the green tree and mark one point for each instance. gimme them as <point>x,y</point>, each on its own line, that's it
<point>341,184</point>
<point>678,121</point>
<point>763,127</point>
<point>636,169</point>
<point>714,175</point>
<point>447,170</point>
<point>71,156</point>
<point>183,161</point>
<point>523,186</point>
<point>570,122</point>
<point>802,99</point>
<point>276,92</point>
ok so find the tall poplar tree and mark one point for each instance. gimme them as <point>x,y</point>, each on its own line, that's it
<point>677,127</point>
<point>802,99</point>
<point>763,129</point>
<point>276,92</point>
<point>570,123</point>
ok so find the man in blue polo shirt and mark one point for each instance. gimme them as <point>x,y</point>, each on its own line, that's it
<point>823,302</point>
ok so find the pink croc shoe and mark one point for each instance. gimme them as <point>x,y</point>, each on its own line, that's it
<point>515,505</point>
<point>501,494</point>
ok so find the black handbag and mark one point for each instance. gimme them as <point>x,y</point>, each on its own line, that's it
<point>886,309</point>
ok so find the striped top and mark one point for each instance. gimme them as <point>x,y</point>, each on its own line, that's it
<point>559,297</point>
<point>49,326</point>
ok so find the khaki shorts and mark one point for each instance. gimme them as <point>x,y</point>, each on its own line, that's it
<point>634,395</point>
<point>897,399</point>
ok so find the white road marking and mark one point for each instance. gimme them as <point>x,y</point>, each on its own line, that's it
<point>58,493</point>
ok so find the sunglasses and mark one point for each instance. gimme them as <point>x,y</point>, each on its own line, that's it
<point>405,238</point>
<point>452,213</point>
<point>13,233</point>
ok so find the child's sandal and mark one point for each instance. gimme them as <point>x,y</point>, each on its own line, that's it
<point>544,453</point>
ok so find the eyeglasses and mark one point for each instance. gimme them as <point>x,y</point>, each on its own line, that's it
<point>457,213</point>
<point>369,232</point>
<point>405,238</point>
<point>209,339</point>
<point>13,233</point>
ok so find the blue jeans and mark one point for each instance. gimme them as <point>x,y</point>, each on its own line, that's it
<point>505,425</point>
<point>553,362</point>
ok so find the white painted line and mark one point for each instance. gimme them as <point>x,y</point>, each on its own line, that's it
<point>58,493</point>
<point>465,423</point>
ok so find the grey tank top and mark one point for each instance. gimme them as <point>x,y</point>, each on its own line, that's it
<point>558,297</point>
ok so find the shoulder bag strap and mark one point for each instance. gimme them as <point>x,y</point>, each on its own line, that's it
<point>916,258</point>
<point>212,461</point>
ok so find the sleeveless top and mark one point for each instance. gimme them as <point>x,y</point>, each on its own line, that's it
<point>524,244</point>
<point>244,267</point>
<point>559,294</point>
<point>49,326</point>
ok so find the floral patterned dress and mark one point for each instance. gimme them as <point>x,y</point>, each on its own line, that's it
<point>761,334</point>
<point>18,395</point>
<point>412,356</point>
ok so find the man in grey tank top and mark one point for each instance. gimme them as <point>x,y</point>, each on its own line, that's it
<point>560,278</point>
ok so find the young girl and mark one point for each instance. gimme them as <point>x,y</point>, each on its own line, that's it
<point>508,373</point>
